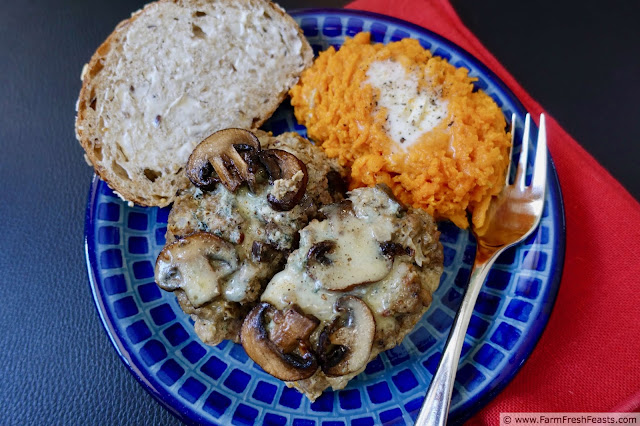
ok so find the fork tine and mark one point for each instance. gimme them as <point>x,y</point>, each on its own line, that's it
<point>513,138</point>
<point>540,165</point>
<point>521,171</point>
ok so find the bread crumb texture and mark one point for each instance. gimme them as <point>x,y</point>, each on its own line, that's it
<point>398,115</point>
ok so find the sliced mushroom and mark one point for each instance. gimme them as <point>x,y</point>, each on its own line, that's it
<point>340,210</point>
<point>344,347</point>
<point>391,249</point>
<point>290,328</point>
<point>318,253</point>
<point>336,183</point>
<point>279,342</point>
<point>196,264</point>
<point>353,259</point>
<point>224,157</point>
<point>288,175</point>
<point>387,190</point>
<point>264,252</point>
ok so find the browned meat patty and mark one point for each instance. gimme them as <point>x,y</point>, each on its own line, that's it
<point>358,283</point>
<point>229,244</point>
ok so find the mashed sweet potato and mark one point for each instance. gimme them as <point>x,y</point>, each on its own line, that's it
<point>397,115</point>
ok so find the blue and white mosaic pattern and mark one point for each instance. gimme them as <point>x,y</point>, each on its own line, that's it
<point>221,385</point>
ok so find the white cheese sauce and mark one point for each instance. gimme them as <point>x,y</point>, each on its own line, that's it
<point>356,259</point>
<point>412,110</point>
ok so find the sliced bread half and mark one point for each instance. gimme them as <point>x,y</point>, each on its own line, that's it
<point>174,73</point>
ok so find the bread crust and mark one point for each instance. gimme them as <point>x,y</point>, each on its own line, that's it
<point>88,123</point>
<point>89,70</point>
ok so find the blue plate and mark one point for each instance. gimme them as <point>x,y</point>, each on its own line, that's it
<point>222,385</point>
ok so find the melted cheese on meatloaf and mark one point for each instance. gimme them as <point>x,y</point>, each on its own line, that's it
<point>368,247</point>
<point>260,236</point>
<point>358,265</point>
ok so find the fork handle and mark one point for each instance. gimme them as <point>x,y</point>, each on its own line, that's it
<point>435,407</point>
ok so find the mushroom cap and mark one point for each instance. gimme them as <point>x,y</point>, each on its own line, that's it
<point>281,347</point>
<point>344,346</point>
<point>264,252</point>
<point>292,175</point>
<point>219,152</point>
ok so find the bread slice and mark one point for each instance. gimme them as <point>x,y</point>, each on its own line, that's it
<point>174,73</point>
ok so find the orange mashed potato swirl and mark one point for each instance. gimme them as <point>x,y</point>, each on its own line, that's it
<point>455,166</point>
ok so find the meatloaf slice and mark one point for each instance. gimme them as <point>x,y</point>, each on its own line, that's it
<point>358,283</point>
<point>247,239</point>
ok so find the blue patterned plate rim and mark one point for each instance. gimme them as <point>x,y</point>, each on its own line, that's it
<point>174,405</point>
<point>186,412</point>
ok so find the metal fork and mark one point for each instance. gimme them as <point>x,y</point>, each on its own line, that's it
<point>511,217</point>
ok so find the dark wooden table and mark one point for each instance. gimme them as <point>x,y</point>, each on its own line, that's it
<point>578,58</point>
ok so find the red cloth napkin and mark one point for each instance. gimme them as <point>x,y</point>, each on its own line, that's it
<point>588,358</point>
